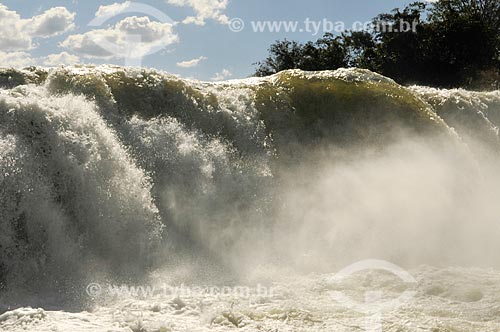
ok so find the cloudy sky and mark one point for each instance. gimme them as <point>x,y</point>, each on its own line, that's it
<point>203,39</point>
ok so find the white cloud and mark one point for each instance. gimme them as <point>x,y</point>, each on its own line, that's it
<point>113,9</point>
<point>224,74</point>
<point>191,63</point>
<point>16,33</point>
<point>205,9</point>
<point>63,58</point>
<point>86,44</point>
<point>16,59</point>
<point>52,22</point>
<point>25,59</point>
<point>13,35</point>
<point>134,34</point>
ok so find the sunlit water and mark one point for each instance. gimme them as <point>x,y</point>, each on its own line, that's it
<point>113,176</point>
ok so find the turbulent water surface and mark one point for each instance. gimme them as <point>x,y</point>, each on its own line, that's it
<point>114,176</point>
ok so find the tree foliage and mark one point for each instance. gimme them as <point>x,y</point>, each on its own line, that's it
<point>448,43</point>
<point>324,54</point>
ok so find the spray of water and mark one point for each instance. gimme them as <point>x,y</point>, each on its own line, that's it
<point>116,172</point>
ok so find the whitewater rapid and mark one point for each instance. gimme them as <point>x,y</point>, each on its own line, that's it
<point>451,299</point>
<point>121,175</point>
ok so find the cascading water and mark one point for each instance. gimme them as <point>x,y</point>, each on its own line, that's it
<point>109,173</point>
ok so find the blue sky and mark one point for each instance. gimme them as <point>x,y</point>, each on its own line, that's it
<point>191,38</point>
